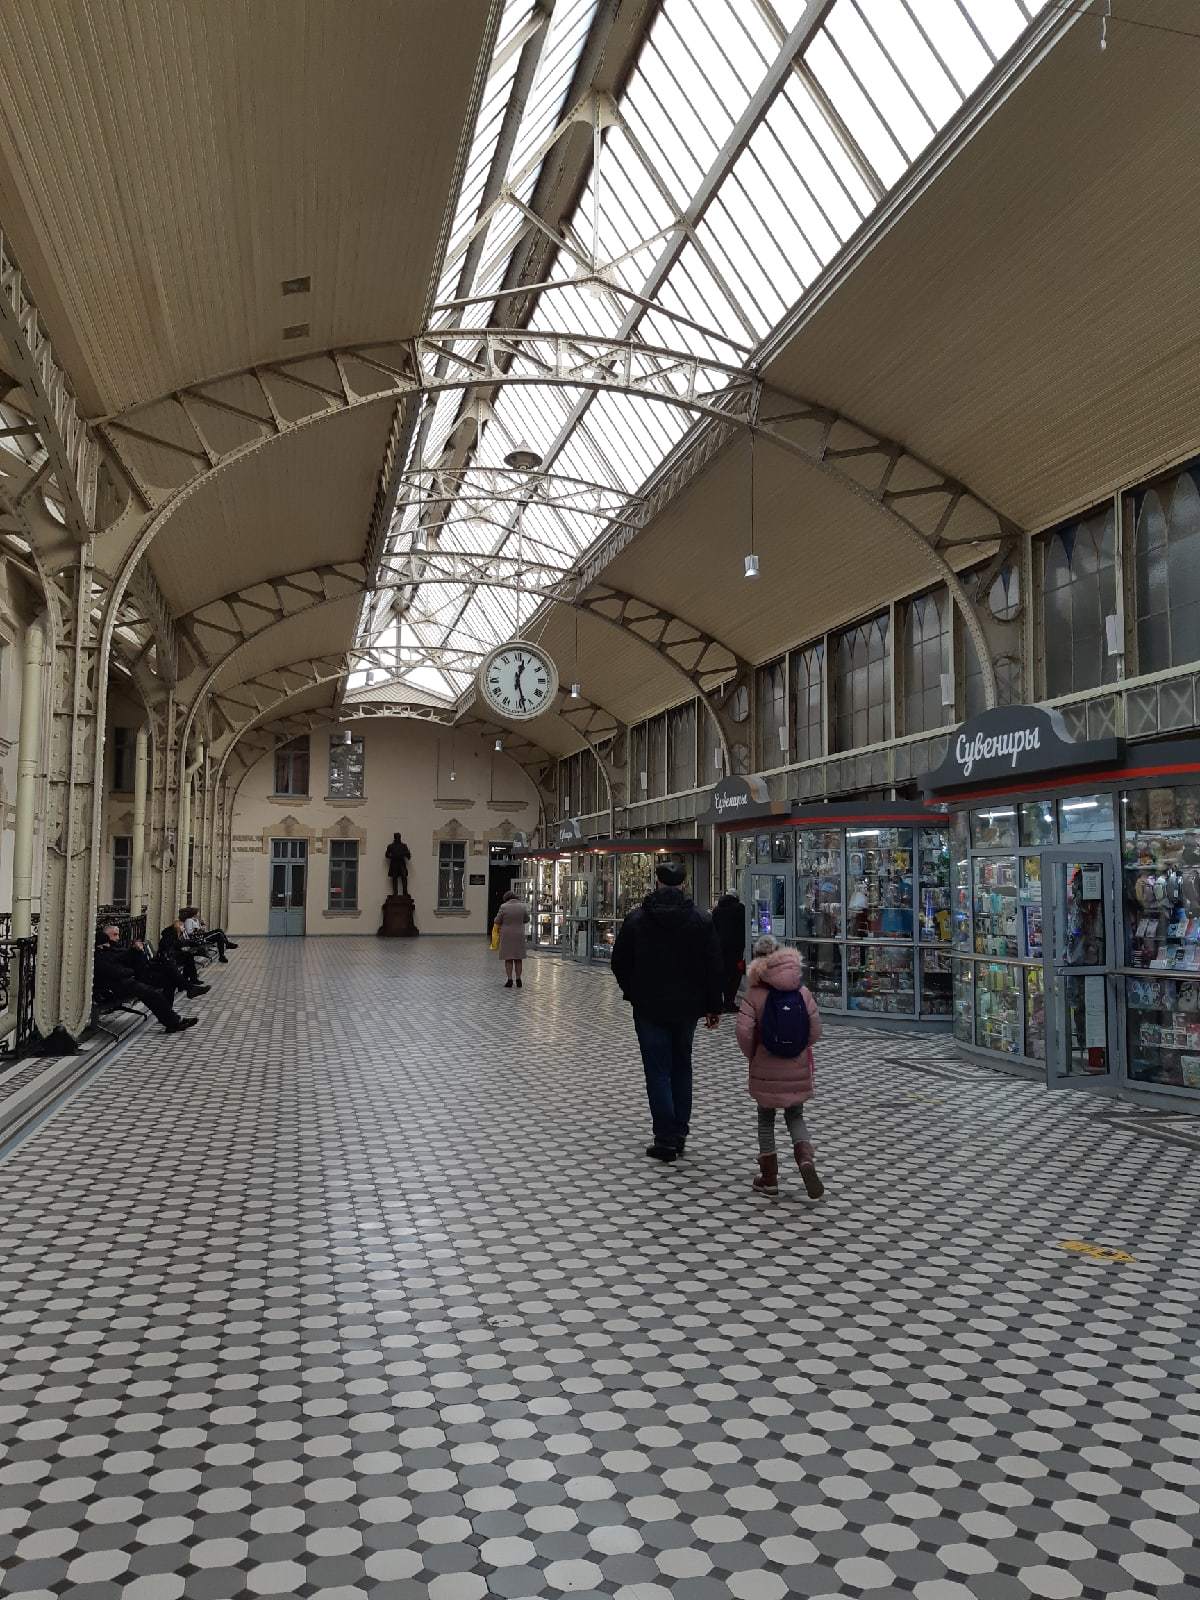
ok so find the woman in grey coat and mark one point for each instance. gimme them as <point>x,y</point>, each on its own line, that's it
<point>510,923</point>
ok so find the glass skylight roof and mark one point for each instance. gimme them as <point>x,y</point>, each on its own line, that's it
<point>733,171</point>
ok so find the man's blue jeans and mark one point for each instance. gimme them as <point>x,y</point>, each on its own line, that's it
<point>667,1059</point>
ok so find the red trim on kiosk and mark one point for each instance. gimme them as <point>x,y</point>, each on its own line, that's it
<point>1080,780</point>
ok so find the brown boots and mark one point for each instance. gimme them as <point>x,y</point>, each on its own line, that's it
<point>767,1181</point>
<point>806,1160</point>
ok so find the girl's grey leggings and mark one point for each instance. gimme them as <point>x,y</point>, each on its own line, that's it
<point>796,1127</point>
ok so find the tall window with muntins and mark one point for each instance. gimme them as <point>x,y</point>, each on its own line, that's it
<point>1000,608</point>
<point>347,767</point>
<point>122,870</point>
<point>452,871</point>
<point>807,668</point>
<point>926,658</point>
<point>1167,571</point>
<point>681,748</point>
<point>861,691</point>
<point>591,785</point>
<point>123,760</point>
<point>656,757</point>
<point>343,875</point>
<point>291,767</point>
<point>1079,591</point>
<point>708,742</point>
<point>771,729</point>
<point>639,770</point>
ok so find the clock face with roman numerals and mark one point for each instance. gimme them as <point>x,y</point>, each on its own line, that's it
<point>518,680</point>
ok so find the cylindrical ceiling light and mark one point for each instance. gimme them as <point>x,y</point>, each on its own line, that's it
<point>751,569</point>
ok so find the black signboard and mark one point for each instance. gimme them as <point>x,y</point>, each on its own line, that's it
<point>736,799</point>
<point>1011,744</point>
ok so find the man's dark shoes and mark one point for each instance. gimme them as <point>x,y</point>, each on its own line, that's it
<point>178,1024</point>
<point>196,989</point>
<point>224,960</point>
<point>662,1152</point>
<point>229,945</point>
<point>680,1147</point>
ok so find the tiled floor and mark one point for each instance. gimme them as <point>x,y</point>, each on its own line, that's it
<point>365,1288</point>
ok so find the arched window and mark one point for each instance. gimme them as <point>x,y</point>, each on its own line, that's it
<point>1079,591</point>
<point>862,696</point>
<point>771,715</point>
<point>808,689</point>
<point>1002,607</point>
<point>926,658</point>
<point>1167,572</point>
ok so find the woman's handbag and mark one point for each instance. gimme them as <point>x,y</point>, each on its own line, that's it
<point>495,936</point>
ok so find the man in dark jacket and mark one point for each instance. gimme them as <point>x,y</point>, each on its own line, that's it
<point>729,919</point>
<point>138,962</point>
<point>668,962</point>
<point>113,979</point>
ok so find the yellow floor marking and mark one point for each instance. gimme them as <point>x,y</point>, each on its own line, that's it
<point>1096,1252</point>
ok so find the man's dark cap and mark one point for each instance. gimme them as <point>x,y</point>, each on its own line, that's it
<point>670,874</point>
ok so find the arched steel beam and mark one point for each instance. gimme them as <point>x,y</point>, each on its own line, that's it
<point>716,673</point>
<point>72,459</point>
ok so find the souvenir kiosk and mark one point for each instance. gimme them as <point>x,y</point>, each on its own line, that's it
<point>862,890</point>
<point>1075,874</point>
<point>579,891</point>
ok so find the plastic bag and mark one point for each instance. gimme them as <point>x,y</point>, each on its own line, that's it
<point>495,937</point>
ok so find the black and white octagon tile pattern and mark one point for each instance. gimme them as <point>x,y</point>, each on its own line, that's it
<point>363,1288</point>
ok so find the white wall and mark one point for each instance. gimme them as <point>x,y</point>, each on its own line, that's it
<point>407,789</point>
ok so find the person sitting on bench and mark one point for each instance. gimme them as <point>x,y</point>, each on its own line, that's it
<point>173,947</point>
<point>138,962</point>
<point>193,927</point>
<point>113,983</point>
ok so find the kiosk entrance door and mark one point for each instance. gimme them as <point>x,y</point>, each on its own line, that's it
<point>1084,1043</point>
<point>770,896</point>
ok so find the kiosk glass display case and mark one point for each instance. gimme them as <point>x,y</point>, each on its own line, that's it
<point>869,904</point>
<point>823,972</point>
<point>879,978</point>
<point>819,883</point>
<point>879,880</point>
<point>1160,866</point>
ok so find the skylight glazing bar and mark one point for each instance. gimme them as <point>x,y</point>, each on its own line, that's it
<point>975,29</point>
<point>883,121</point>
<point>915,18</point>
<point>901,77</point>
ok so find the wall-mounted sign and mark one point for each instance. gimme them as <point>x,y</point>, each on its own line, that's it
<point>520,841</point>
<point>1013,743</point>
<point>570,832</point>
<point>737,799</point>
<point>477,880</point>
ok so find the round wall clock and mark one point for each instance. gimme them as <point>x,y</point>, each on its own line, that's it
<point>518,680</point>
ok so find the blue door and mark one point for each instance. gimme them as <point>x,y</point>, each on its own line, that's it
<point>289,880</point>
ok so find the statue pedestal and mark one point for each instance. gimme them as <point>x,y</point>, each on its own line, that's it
<point>399,918</point>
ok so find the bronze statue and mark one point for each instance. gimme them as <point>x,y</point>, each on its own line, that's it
<point>398,856</point>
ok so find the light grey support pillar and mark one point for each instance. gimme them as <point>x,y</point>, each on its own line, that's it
<point>75,776</point>
<point>29,758</point>
<point>137,892</point>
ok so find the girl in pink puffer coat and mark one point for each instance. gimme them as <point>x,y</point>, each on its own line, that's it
<point>779,1082</point>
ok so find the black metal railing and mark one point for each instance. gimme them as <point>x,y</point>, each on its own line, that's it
<point>18,969</point>
<point>131,927</point>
